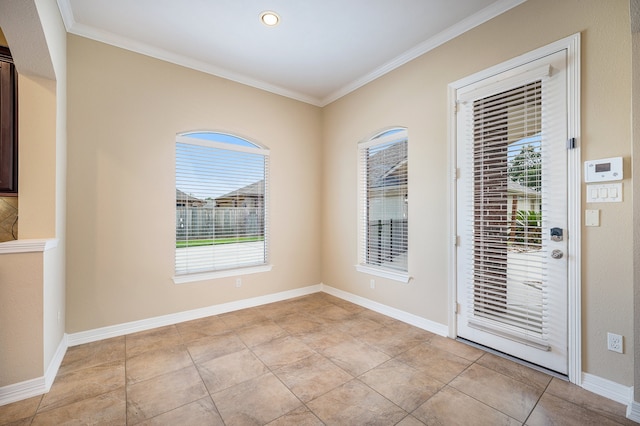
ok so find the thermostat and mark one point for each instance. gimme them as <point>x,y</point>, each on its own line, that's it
<point>603,170</point>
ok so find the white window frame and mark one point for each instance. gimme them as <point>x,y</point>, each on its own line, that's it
<point>363,266</point>
<point>240,270</point>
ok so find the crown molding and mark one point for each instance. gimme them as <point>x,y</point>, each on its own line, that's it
<point>473,21</point>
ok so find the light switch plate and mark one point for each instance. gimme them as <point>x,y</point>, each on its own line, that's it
<point>604,193</point>
<point>592,217</point>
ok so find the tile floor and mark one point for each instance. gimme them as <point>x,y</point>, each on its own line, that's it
<point>313,360</point>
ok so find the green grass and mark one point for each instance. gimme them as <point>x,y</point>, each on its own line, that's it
<point>210,242</point>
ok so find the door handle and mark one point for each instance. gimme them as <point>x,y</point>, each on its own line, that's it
<point>557,254</point>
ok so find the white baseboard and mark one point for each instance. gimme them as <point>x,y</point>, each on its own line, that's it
<point>608,389</point>
<point>39,385</point>
<point>52,371</point>
<point>22,390</point>
<point>633,411</point>
<point>403,316</point>
<point>170,319</point>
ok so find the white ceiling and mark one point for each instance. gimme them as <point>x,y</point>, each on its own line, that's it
<point>321,50</point>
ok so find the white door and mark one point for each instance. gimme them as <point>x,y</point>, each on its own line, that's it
<point>511,258</point>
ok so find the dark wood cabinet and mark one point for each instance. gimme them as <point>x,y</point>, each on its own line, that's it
<point>8,125</point>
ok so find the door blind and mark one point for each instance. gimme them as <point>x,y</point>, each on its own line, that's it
<point>507,287</point>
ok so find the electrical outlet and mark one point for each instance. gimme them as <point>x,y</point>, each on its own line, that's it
<point>614,342</point>
<point>372,283</point>
<point>238,282</point>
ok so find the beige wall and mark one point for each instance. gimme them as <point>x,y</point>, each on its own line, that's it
<point>124,112</point>
<point>415,96</point>
<point>21,334</point>
<point>34,283</point>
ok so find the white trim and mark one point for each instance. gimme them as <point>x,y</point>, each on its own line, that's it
<point>28,246</point>
<point>171,319</point>
<point>607,388</point>
<point>38,386</point>
<point>203,276</point>
<point>572,45</point>
<point>633,411</point>
<point>423,323</point>
<point>403,277</point>
<point>222,145</point>
<point>56,361</point>
<point>22,390</point>
<point>495,9</point>
<point>574,209</point>
<point>484,15</point>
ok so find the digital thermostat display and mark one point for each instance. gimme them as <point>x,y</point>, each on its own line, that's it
<point>603,170</point>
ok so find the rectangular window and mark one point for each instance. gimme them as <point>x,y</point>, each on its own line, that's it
<point>221,208</point>
<point>384,194</point>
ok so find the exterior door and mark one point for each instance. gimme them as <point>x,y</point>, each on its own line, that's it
<point>511,257</point>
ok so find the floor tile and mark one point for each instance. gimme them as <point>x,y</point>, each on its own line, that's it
<point>19,410</point>
<point>312,376</point>
<point>323,339</point>
<point>261,332</point>
<point>92,354</point>
<point>210,347</point>
<point>354,403</point>
<point>331,313</point>
<point>392,342</point>
<point>355,357</point>
<point>514,398</point>
<point>155,363</point>
<point>282,351</point>
<point>457,348</point>
<point>242,318</point>
<point>255,402</point>
<point>516,371</point>
<point>599,404</point>
<point>203,327</point>
<point>22,422</point>
<point>277,309</point>
<point>163,393</point>
<point>403,385</point>
<point>298,417</point>
<point>298,323</point>
<point>82,384</point>
<point>441,365</point>
<point>198,413</point>
<point>552,410</point>
<point>106,409</point>
<point>157,338</point>
<point>452,407</point>
<point>229,370</point>
<point>357,326</point>
<point>410,421</point>
<point>376,317</point>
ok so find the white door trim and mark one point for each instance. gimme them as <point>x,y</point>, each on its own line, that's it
<point>572,45</point>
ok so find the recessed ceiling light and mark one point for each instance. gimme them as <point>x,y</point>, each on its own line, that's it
<point>269,18</point>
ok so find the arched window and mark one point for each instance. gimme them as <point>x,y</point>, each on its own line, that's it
<point>384,199</point>
<point>221,205</point>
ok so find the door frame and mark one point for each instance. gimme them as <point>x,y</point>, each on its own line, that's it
<point>574,326</point>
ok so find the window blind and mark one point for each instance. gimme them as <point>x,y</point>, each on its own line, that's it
<point>384,186</point>
<point>508,266</point>
<point>221,203</point>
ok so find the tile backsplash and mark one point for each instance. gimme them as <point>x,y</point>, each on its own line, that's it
<point>8,218</point>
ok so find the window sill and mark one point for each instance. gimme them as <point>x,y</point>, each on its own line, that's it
<point>203,276</point>
<point>403,277</point>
